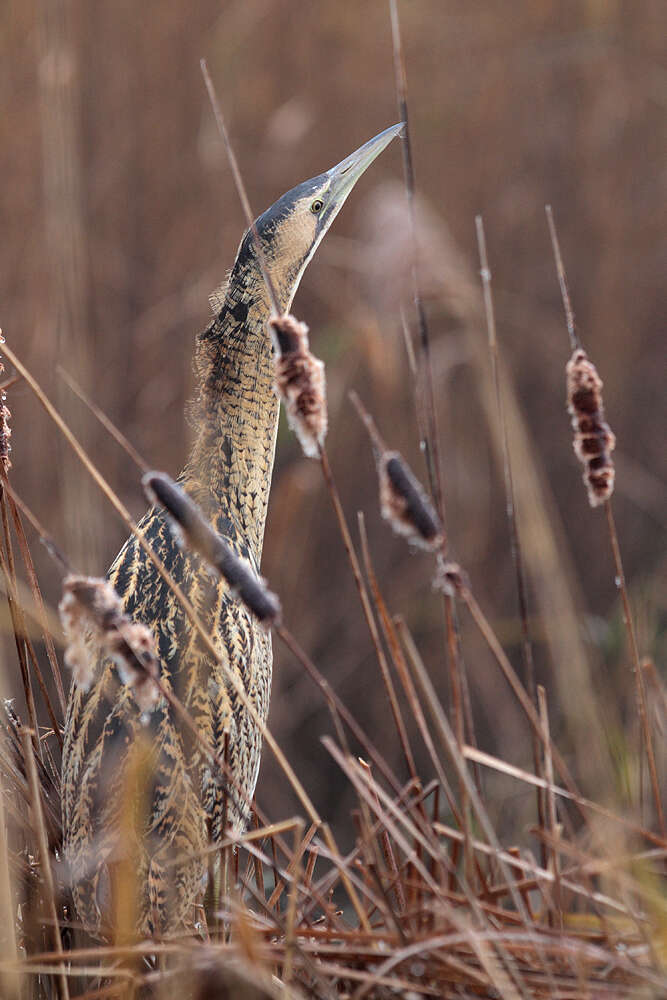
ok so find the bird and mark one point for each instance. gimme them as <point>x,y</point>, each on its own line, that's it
<point>184,807</point>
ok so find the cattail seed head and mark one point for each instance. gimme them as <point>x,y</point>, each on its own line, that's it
<point>450,578</point>
<point>95,626</point>
<point>593,438</point>
<point>300,383</point>
<point>404,503</point>
<point>198,533</point>
<point>131,646</point>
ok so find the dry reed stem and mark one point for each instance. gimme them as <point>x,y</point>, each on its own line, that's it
<point>240,187</point>
<point>338,707</point>
<point>510,502</point>
<point>391,639</point>
<point>374,870</point>
<point>45,857</point>
<point>15,593</point>
<point>390,861</point>
<point>551,802</point>
<point>9,979</point>
<point>327,881</point>
<point>294,864</point>
<point>291,906</point>
<point>562,281</point>
<point>384,669</point>
<point>636,667</point>
<point>34,662</point>
<point>108,425</point>
<point>18,624</point>
<point>354,564</point>
<point>431,441</point>
<point>37,597</point>
<point>510,674</point>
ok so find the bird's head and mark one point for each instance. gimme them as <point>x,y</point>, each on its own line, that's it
<point>292,229</point>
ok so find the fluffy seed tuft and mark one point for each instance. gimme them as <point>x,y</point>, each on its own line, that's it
<point>593,438</point>
<point>95,626</point>
<point>199,534</point>
<point>300,383</point>
<point>404,503</point>
<point>451,579</point>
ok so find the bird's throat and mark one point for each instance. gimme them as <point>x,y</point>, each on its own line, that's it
<point>235,413</point>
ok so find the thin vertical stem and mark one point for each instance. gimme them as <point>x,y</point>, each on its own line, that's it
<point>510,506</point>
<point>430,442</point>
<point>9,980</point>
<point>240,187</point>
<point>562,281</point>
<point>45,858</point>
<point>551,802</point>
<point>637,671</point>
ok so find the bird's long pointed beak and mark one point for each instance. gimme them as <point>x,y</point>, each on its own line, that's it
<point>345,174</point>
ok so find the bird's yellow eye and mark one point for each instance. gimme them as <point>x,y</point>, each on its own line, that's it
<point>317,206</point>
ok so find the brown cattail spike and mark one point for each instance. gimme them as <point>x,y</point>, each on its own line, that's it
<point>404,503</point>
<point>593,438</point>
<point>95,626</point>
<point>238,573</point>
<point>299,383</point>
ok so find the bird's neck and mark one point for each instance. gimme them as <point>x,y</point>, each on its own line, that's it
<point>235,414</point>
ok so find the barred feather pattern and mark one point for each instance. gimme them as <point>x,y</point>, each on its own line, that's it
<point>229,475</point>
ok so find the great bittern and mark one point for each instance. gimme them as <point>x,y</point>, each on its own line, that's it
<point>235,417</point>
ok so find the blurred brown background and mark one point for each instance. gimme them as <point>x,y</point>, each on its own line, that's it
<point>119,217</point>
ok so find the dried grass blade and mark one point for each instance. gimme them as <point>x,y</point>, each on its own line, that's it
<point>510,502</point>
<point>45,857</point>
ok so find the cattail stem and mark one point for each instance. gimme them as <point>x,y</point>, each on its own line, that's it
<point>638,674</point>
<point>510,507</point>
<point>562,281</point>
<point>240,187</point>
<point>45,856</point>
<point>551,804</point>
<point>18,625</point>
<point>431,441</point>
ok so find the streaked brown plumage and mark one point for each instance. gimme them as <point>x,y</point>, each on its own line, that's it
<point>229,475</point>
